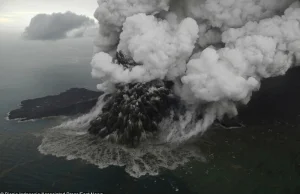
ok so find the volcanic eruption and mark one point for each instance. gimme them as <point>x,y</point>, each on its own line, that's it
<point>169,70</point>
<point>207,56</point>
<point>134,108</point>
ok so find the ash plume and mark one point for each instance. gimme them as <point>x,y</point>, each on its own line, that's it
<point>170,69</point>
<point>216,52</point>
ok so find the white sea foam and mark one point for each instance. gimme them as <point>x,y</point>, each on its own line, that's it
<point>71,140</point>
<point>146,159</point>
<point>83,121</point>
<point>7,116</point>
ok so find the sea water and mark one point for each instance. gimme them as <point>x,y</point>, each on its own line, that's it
<point>53,154</point>
<point>36,69</point>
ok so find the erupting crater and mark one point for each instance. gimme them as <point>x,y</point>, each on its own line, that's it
<point>134,109</point>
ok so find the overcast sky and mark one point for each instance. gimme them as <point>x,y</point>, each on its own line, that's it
<point>15,15</point>
<point>15,51</point>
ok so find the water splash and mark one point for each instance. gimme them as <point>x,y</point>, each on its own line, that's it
<point>84,120</point>
<point>71,140</point>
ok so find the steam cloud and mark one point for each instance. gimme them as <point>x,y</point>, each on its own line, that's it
<point>57,26</point>
<point>216,51</point>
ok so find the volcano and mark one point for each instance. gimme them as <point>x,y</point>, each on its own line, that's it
<point>134,109</point>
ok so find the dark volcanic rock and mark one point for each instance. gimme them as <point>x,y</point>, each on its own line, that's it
<point>125,61</point>
<point>133,109</point>
<point>71,102</point>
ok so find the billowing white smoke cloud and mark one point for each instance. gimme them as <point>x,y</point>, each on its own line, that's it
<point>57,26</point>
<point>255,51</point>
<point>212,78</point>
<point>113,13</point>
<point>258,50</point>
<point>229,13</point>
<point>214,16</point>
<point>174,40</point>
<point>161,47</point>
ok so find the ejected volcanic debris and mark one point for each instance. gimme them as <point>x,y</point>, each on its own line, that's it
<point>134,108</point>
<point>216,52</point>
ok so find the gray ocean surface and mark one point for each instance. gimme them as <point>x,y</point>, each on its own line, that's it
<point>36,69</point>
<point>240,162</point>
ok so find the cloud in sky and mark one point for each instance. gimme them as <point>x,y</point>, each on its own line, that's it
<point>57,26</point>
<point>20,12</point>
